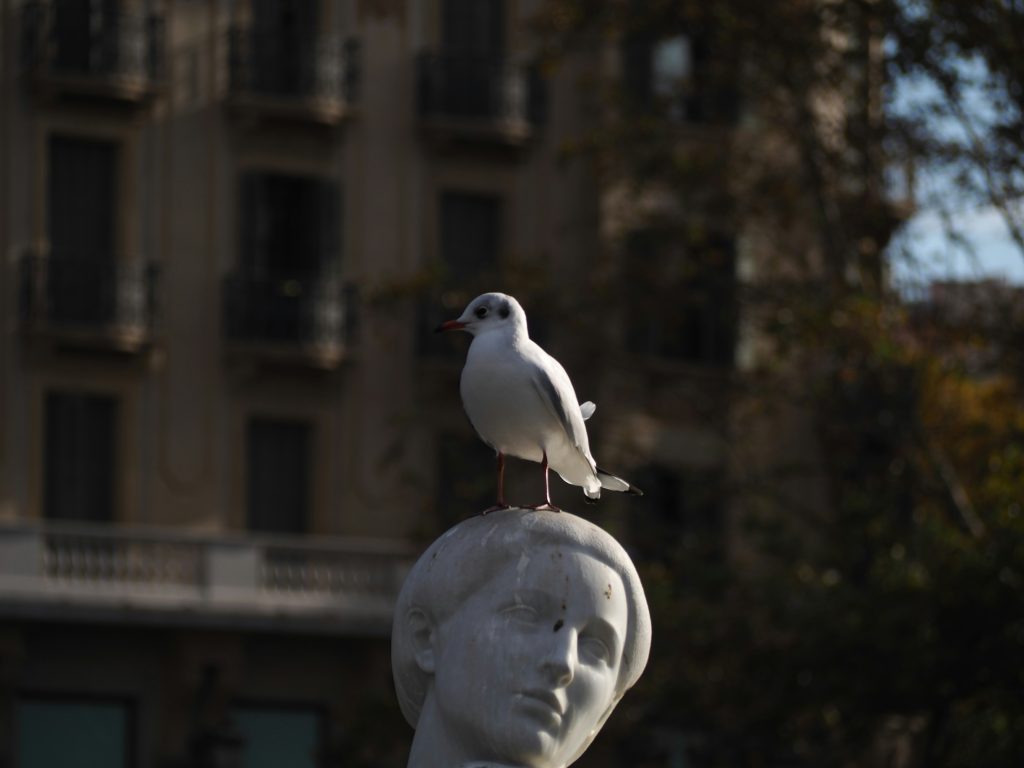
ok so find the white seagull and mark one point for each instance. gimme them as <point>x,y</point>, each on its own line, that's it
<point>521,402</point>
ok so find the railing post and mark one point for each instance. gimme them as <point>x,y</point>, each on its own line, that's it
<point>21,556</point>
<point>232,571</point>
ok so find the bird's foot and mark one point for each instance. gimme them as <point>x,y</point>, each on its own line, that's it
<point>495,508</point>
<point>546,506</point>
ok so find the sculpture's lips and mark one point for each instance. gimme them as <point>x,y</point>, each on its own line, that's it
<point>547,698</point>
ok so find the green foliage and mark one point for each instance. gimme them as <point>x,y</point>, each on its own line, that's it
<point>889,621</point>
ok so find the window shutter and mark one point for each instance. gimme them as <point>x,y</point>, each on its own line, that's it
<point>80,456</point>
<point>278,475</point>
<point>82,198</point>
<point>253,224</point>
<point>330,225</point>
<point>473,28</point>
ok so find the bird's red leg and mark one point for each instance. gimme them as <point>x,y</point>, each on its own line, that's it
<point>547,506</point>
<point>501,486</point>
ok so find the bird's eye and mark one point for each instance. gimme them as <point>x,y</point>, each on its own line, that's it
<point>481,312</point>
<point>504,311</point>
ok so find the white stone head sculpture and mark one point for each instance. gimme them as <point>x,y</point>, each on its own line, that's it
<point>515,635</point>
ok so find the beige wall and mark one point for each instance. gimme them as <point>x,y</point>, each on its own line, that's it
<point>186,400</point>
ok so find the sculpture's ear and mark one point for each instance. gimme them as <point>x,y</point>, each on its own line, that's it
<point>422,635</point>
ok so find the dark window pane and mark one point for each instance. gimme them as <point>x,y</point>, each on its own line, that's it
<point>473,28</point>
<point>466,478</point>
<point>470,241</point>
<point>290,225</point>
<point>73,734</point>
<point>470,235</point>
<point>277,736</point>
<point>278,471</point>
<point>72,30</point>
<point>287,30</point>
<point>679,76</point>
<point>81,456</point>
<point>287,17</point>
<point>82,198</point>
<point>680,511</point>
<point>636,71</point>
<point>86,35</point>
<point>682,299</point>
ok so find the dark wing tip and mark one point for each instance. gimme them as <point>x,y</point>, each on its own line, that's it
<point>630,489</point>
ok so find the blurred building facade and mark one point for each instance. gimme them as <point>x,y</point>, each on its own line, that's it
<point>228,228</point>
<point>209,487</point>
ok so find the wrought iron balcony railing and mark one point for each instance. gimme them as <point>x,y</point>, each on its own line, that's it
<point>316,75</point>
<point>99,298</point>
<point>495,95</point>
<point>309,318</point>
<point>332,584</point>
<point>116,54</point>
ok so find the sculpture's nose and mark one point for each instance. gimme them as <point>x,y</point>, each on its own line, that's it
<point>560,659</point>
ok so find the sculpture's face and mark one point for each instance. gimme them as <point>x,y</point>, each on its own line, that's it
<point>526,668</point>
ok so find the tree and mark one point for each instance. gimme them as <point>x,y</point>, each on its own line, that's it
<point>870,609</point>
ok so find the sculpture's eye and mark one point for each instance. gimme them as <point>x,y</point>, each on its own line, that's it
<point>522,614</point>
<point>481,312</point>
<point>594,648</point>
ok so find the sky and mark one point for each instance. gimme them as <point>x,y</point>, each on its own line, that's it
<point>934,257</point>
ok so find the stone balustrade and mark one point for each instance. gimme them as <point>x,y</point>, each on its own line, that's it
<point>322,584</point>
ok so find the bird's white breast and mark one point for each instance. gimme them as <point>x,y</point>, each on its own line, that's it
<point>502,401</point>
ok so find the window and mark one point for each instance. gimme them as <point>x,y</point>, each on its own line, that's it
<point>73,733</point>
<point>279,736</point>
<point>677,75</point>
<point>680,513</point>
<point>682,303</point>
<point>672,73</point>
<point>81,280</point>
<point>470,241</point>
<point>467,480</point>
<point>289,225</point>
<point>470,77</point>
<point>86,32</point>
<point>287,288</point>
<point>470,235</point>
<point>285,35</point>
<point>278,472</point>
<point>82,188</point>
<point>473,28</point>
<point>80,456</point>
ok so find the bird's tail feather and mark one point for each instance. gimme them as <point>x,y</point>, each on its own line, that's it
<point>613,483</point>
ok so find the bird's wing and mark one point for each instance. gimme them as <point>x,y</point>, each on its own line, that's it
<point>555,389</point>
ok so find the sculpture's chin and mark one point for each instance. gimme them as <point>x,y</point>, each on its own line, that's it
<point>530,751</point>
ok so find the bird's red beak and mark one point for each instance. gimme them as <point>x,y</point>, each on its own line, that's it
<point>450,325</point>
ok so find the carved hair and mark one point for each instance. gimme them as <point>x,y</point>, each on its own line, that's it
<point>469,555</point>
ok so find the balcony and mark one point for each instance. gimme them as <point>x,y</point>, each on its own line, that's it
<point>300,321</point>
<point>90,302</point>
<point>70,51</point>
<point>275,77</point>
<point>102,573</point>
<point>474,100</point>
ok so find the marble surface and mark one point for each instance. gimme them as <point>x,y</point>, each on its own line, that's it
<point>515,635</point>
